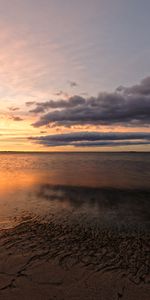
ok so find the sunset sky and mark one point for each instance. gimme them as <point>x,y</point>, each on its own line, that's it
<point>74,75</point>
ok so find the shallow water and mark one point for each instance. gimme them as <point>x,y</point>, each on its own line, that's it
<point>109,188</point>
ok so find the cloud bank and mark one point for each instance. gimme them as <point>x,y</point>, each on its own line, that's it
<point>126,106</point>
<point>60,104</point>
<point>93,139</point>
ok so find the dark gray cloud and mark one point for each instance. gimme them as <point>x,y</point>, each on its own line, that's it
<point>60,104</point>
<point>126,106</point>
<point>111,144</point>
<point>140,89</point>
<point>93,139</point>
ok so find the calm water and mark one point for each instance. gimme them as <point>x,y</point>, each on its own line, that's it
<point>109,187</point>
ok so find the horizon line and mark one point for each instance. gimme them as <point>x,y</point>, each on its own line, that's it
<point>48,152</point>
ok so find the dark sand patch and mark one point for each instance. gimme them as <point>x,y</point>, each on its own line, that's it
<point>71,258</point>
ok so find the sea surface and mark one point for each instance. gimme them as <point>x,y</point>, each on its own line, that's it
<point>110,188</point>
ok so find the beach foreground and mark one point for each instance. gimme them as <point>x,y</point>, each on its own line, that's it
<point>67,260</point>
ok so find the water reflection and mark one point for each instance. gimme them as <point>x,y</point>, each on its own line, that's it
<point>108,187</point>
<point>113,205</point>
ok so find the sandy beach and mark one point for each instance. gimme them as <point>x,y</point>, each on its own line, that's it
<point>72,259</point>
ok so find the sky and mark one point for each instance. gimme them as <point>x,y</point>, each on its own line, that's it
<point>74,75</point>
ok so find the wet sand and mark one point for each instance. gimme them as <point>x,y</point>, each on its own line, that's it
<point>72,258</point>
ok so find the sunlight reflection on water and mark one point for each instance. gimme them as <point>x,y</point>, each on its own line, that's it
<point>110,186</point>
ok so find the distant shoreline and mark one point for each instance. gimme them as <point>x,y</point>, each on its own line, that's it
<point>69,152</point>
